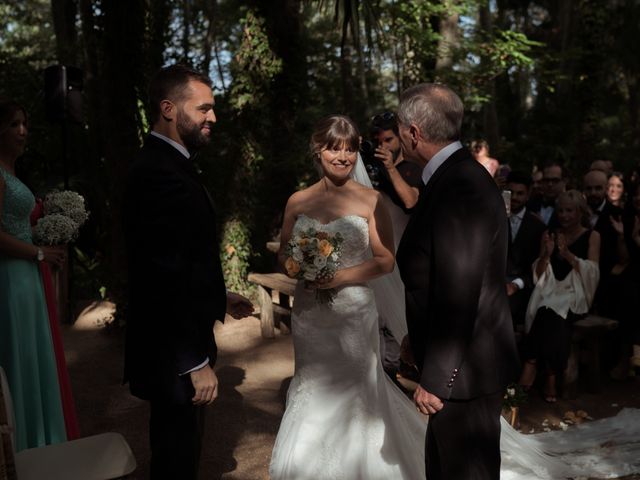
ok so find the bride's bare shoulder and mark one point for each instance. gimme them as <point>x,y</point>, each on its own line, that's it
<point>299,199</point>
<point>366,194</point>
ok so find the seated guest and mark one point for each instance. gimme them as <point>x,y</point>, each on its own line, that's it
<point>554,183</point>
<point>615,189</point>
<point>524,244</point>
<point>630,324</point>
<point>606,220</point>
<point>566,277</point>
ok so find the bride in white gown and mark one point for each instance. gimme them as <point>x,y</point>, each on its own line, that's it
<point>344,418</point>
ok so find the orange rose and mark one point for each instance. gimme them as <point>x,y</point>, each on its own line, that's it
<point>292,267</point>
<point>322,235</point>
<point>325,248</point>
<point>303,242</point>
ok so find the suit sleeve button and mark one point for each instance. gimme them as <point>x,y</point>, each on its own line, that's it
<point>450,384</point>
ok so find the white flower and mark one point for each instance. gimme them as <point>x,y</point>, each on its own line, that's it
<point>310,275</point>
<point>320,261</point>
<point>67,203</point>
<point>511,392</point>
<point>55,229</point>
<point>297,254</point>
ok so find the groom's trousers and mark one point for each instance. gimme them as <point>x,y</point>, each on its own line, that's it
<point>175,433</point>
<point>463,440</point>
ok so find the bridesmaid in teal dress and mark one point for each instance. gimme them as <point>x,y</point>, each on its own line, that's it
<point>26,349</point>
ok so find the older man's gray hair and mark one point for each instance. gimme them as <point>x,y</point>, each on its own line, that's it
<point>435,108</point>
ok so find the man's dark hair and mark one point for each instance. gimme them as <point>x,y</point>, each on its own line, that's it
<point>382,122</point>
<point>520,178</point>
<point>170,83</point>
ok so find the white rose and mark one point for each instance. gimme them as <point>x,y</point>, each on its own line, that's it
<point>320,261</point>
<point>297,254</point>
<point>310,276</point>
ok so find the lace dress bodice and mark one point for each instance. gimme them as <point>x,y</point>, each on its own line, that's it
<point>18,202</point>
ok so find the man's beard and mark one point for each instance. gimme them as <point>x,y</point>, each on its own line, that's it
<point>190,133</point>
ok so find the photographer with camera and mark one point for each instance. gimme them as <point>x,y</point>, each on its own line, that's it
<point>399,180</point>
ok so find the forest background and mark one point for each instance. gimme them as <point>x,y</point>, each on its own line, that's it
<point>541,80</point>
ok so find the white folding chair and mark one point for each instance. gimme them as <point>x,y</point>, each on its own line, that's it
<point>98,457</point>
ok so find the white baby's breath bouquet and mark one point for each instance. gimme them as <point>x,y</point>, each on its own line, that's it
<point>64,214</point>
<point>68,203</point>
<point>314,256</point>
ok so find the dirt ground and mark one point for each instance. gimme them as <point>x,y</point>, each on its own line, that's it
<point>254,374</point>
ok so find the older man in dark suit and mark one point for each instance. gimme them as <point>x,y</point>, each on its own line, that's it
<point>176,287</point>
<point>452,259</point>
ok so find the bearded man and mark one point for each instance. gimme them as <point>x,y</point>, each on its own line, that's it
<point>176,286</point>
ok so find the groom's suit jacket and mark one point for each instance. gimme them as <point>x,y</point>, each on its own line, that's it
<point>452,259</point>
<point>176,287</point>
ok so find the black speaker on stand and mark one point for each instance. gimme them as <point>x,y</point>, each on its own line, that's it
<point>63,104</point>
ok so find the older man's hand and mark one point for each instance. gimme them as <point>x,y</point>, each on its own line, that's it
<point>426,402</point>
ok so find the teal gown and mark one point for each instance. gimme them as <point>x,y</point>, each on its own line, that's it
<point>26,348</point>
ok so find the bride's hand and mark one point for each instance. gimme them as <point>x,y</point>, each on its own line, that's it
<point>327,284</point>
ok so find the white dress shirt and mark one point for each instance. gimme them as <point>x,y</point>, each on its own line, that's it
<point>173,143</point>
<point>438,159</point>
<point>516,220</point>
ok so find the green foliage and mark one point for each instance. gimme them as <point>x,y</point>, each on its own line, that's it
<point>561,79</point>
<point>254,65</point>
<point>235,253</point>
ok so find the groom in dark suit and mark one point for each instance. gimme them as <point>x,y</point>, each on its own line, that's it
<point>176,287</point>
<point>452,259</point>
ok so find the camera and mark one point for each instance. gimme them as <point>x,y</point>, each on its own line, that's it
<point>367,152</point>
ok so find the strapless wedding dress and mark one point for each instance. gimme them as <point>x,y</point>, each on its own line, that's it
<point>346,420</point>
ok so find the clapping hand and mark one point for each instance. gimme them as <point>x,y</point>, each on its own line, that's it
<point>617,224</point>
<point>238,306</point>
<point>548,244</point>
<point>561,242</point>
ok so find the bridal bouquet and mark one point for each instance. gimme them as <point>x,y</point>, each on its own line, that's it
<point>314,256</point>
<point>64,214</point>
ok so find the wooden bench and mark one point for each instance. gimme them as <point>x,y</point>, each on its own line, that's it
<point>585,345</point>
<point>275,297</point>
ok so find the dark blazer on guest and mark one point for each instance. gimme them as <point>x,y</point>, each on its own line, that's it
<point>175,288</point>
<point>452,259</point>
<point>523,250</point>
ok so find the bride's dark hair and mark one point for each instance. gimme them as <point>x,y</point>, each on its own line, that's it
<point>334,131</point>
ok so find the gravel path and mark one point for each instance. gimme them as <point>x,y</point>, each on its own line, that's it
<point>254,374</point>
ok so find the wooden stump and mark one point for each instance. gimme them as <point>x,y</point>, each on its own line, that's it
<point>266,313</point>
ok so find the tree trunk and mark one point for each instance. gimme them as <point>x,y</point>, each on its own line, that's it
<point>489,111</point>
<point>124,27</point>
<point>448,41</point>
<point>64,14</point>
